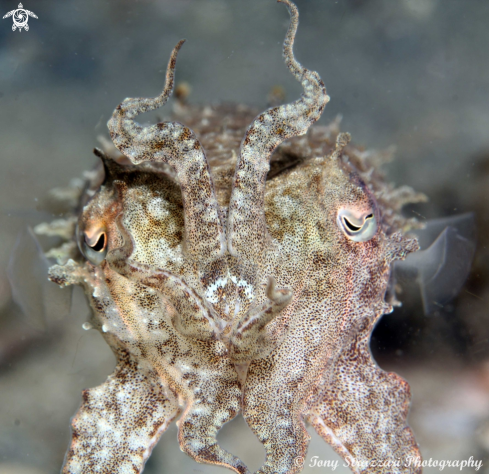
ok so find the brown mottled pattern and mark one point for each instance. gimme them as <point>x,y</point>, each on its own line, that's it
<point>158,316</point>
<point>120,422</point>
<point>176,145</point>
<point>337,284</point>
<point>365,425</point>
<point>192,316</point>
<point>272,320</point>
<point>246,224</point>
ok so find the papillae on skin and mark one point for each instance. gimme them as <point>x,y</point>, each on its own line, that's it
<point>229,287</point>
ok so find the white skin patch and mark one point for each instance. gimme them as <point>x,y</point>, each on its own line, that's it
<point>249,289</point>
<point>211,291</point>
<point>156,209</point>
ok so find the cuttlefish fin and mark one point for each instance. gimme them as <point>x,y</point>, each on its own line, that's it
<point>442,265</point>
<point>27,271</point>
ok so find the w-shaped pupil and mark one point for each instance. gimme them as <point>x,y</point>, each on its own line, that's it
<point>350,226</point>
<point>100,245</point>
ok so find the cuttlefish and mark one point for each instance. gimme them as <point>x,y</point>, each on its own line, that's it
<point>230,273</point>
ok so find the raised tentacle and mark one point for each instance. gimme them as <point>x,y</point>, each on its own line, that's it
<point>176,145</point>
<point>246,221</point>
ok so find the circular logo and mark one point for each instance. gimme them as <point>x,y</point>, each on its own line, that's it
<point>20,18</point>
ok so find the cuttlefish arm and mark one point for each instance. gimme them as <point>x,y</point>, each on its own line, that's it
<point>361,411</point>
<point>120,421</point>
<point>209,382</point>
<point>176,145</point>
<point>247,230</point>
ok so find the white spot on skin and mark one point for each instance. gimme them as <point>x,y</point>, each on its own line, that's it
<point>76,467</point>
<point>87,326</point>
<point>237,307</point>
<point>249,290</point>
<point>211,291</point>
<point>157,209</point>
<point>103,426</point>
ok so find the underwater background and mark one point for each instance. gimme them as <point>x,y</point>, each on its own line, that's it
<point>408,73</point>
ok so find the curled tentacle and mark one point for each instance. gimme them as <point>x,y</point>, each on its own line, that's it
<point>246,224</point>
<point>176,145</point>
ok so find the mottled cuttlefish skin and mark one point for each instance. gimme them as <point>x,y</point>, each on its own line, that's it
<point>323,371</point>
<point>140,311</point>
<point>238,283</point>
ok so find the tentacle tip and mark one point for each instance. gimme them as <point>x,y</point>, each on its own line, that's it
<point>111,167</point>
<point>173,58</point>
<point>342,140</point>
<point>291,5</point>
<point>282,295</point>
<point>179,44</point>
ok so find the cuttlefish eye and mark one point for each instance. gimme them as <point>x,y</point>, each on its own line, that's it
<point>93,245</point>
<point>356,225</point>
